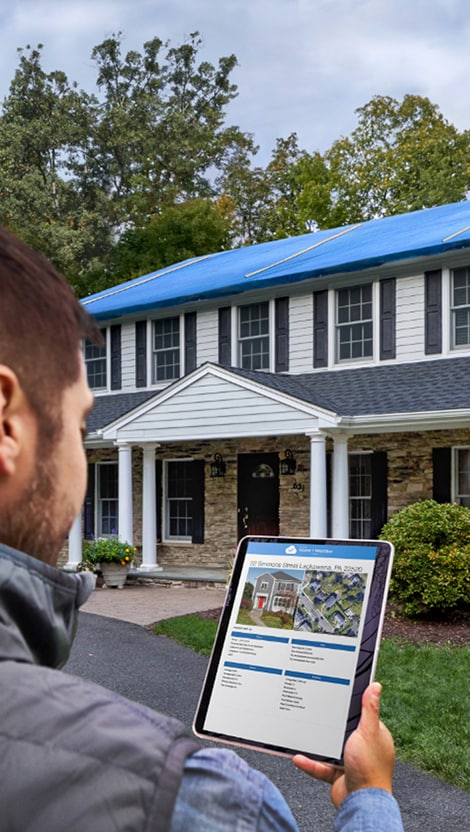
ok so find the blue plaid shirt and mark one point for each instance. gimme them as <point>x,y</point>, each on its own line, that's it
<point>220,792</point>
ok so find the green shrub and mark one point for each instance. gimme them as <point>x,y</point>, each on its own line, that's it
<point>431,571</point>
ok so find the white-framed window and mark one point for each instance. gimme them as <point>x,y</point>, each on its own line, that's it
<point>179,500</point>
<point>166,349</point>
<point>96,363</point>
<point>107,499</point>
<point>360,496</point>
<point>354,326</point>
<point>253,336</point>
<point>461,476</point>
<point>460,307</point>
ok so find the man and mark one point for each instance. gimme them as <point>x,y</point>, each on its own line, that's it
<point>75,756</point>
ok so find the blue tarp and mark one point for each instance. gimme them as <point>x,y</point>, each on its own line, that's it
<point>322,253</point>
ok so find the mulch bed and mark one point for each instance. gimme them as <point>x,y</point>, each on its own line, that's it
<point>454,631</point>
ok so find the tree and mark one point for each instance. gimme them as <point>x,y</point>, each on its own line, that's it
<point>264,200</point>
<point>281,216</point>
<point>403,156</point>
<point>76,169</point>
<point>42,130</point>
<point>191,229</point>
<point>159,132</point>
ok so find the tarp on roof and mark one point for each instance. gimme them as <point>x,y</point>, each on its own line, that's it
<point>351,248</point>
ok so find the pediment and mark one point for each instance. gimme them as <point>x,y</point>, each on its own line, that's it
<point>215,402</point>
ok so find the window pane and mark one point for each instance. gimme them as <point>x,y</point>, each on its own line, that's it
<point>461,287</point>
<point>166,349</point>
<point>462,327</point>
<point>254,336</point>
<point>360,496</point>
<point>463,475</point>
<point>179,499</point>
<point>95,362</point>
<point>461,307</point>
<point>354,322</point>
<point>107,499</point>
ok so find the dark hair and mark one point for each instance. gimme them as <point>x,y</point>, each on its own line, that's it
<point>41,327</point>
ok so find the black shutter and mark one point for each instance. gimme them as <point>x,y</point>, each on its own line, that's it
<point>190,342</point>
<point>433,312</point>
<point>115,336</point>
<point>198,500</point>
<point>441,475</point>
<point>379,475</point>
<point>320,329</point>
<point>225,335</point>
<point>141,354</point>
<point>89,504</point>
<point>387,318</point>
<point>159,497</point>
<point>282,335</point>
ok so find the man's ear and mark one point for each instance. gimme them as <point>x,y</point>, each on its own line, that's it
<point>12,410</point>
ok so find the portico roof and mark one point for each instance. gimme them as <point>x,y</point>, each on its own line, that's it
<point>216,402</point>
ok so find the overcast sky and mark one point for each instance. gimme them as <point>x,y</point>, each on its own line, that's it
<point>304,65</point>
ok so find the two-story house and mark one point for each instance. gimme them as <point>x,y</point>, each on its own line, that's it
<point>275,591</point>
<point>307,386</point>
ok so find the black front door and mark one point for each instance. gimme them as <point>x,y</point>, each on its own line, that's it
<point>258,494</point>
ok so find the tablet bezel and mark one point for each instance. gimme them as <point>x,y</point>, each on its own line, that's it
<point>368,649</point>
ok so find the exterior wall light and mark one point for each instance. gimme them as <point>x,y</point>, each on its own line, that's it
<point>218,467</point>
<point>288,465</point>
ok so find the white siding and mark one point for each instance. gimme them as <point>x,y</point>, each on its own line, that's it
<point>128,356</point>
<point>301,334</point>
<point>216,408</point>
<point>207,336</point>
<point>410,318</point>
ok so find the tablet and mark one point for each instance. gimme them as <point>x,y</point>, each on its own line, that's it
<point>296,645</point>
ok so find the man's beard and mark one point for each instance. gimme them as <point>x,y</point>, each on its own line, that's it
<point>39,522</point>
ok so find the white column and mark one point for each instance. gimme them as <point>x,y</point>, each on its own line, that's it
<point>149,512</point>
<point>340,500</point>
<point>317,484</point>
<point>75,545</point>
<point>126,531</point>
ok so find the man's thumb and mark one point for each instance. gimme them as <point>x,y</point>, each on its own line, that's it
<point>371,707</point>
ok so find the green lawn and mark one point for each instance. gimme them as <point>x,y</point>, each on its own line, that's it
<point>425,702</point>
<point>426,705</point>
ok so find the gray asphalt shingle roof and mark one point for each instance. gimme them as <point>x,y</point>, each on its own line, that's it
<point>424,386</point>
<point>108,408</point>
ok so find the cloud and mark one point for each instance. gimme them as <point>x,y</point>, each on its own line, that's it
<point>304,65</point>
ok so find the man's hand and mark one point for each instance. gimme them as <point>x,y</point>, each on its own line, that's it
<point>369,755</point>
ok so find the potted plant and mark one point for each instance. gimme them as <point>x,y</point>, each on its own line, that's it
<point>112,556</point>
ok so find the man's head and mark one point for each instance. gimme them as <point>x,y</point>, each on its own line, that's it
<point>44,399</point>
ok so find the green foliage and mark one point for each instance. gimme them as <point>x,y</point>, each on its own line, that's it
<point>108,550</point>
<point>248,590</point>
<point>431,572</point>
<point>144,172</point>
<point>190,229</point>
<point>403,156</point>
<point>76,169</point>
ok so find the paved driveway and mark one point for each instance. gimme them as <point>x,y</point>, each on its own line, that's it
<point>164,675</point>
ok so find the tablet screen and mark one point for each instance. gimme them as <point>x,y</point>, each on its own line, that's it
<point>296,645</point>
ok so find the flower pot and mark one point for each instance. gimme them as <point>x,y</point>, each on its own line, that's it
<point>114,574</point>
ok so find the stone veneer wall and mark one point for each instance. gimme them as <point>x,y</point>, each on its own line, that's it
<point>409,479</point>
